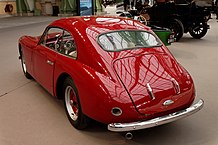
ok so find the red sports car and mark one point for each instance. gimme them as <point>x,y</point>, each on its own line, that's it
<point>111,69</point>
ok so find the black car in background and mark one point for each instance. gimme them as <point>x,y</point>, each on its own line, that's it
<point>180,16</point>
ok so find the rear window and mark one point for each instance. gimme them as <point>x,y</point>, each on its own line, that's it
<point>127,39</point>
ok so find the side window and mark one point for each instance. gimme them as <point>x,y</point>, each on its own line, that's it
<point>61,41</point>
<point>53,38</point>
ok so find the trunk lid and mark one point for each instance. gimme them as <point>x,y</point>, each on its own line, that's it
<point>154,82</point>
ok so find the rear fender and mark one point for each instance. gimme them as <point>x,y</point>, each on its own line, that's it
<point>99,94</point>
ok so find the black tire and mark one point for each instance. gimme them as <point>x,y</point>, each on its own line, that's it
<point>72,105</point>
<point>177,28</point>
<point>23,64</point>
<point>198,30</point>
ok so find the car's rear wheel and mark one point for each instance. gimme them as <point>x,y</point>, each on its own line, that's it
<point>23,64</point>
<point>73,106</point>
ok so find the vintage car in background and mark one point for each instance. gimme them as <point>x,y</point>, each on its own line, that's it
<point>111,69</point>
<point>180,16</point>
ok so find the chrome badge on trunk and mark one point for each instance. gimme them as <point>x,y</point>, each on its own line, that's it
<point>168,102</point>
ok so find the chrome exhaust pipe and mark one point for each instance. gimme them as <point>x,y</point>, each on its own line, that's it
<point>129,135</point>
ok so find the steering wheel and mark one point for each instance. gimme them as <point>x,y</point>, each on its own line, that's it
<point>69,46</point>
<point>57,43</point>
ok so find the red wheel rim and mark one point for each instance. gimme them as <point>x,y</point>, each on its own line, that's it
<point>71,103</point>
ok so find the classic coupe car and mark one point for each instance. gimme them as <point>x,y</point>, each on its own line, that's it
<point>111,69</point>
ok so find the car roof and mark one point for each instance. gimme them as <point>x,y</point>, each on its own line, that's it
<point>87,28</point>
<point>101,24</point>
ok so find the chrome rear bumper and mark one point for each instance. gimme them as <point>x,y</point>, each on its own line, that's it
<point>120,127</point>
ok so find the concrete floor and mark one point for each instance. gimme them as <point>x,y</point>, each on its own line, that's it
<point>31,116</point>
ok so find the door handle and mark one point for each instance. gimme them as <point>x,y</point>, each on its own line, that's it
<point>50,62</point>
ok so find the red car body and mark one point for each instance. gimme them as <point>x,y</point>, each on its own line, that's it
<point>143,84</point>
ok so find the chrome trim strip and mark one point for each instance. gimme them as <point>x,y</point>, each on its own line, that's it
<point>176,85</point>
<point>150,91</point>
<point>120,127</point>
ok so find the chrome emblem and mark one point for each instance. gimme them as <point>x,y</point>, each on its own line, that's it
<point>168,102</point>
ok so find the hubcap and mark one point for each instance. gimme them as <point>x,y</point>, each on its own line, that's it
<point>71,103</point>
<point>198,30</point>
